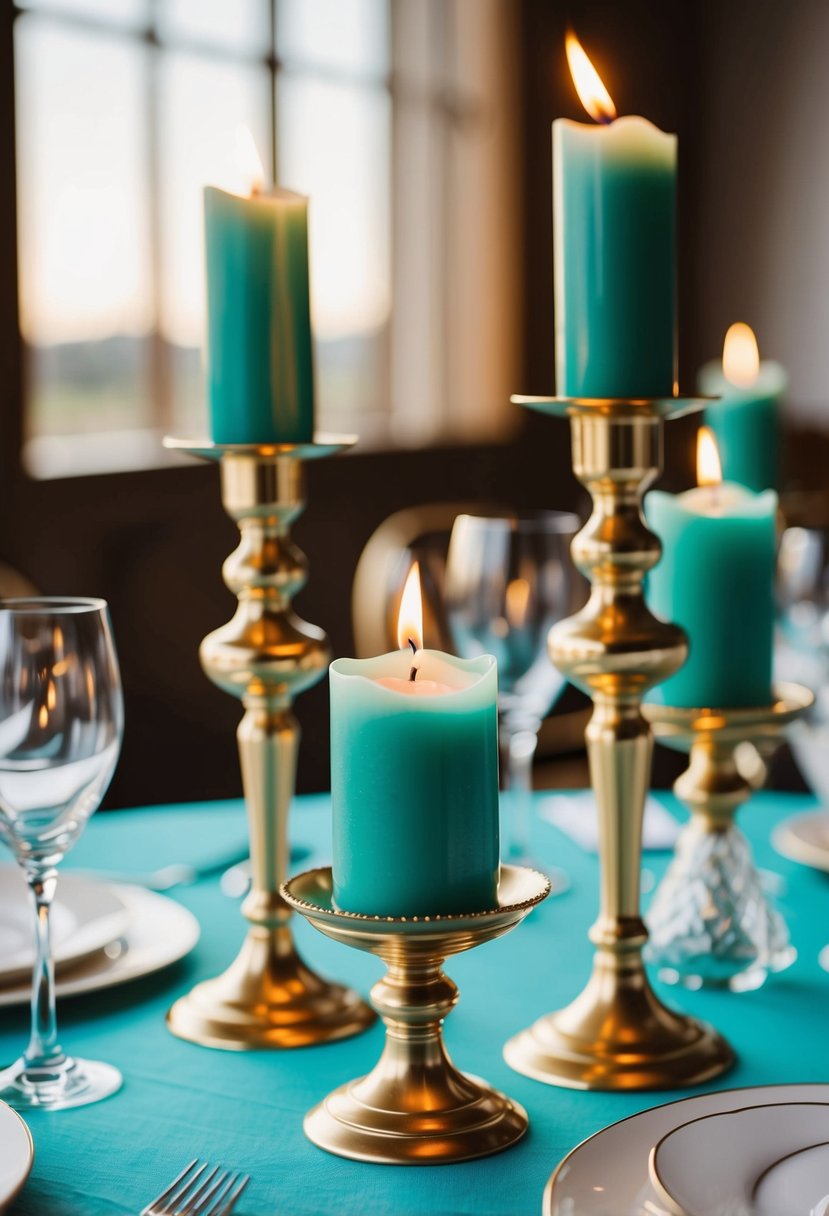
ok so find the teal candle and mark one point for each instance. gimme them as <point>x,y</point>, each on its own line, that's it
<point>260,371</point>
<point>716,579</point>
<point>414,784</point>
<point>746,419</point>
<point>614,235</point>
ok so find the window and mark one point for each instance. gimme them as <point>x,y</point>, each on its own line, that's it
<point>390,114</point>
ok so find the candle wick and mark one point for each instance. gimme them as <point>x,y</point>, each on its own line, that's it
<point>413,669</point>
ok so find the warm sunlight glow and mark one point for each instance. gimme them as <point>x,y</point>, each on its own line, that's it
<point>248,160</point>
<point>410,617</point>
<point>516,602</point>
<point>709,469</point>
<point>740,356</point>
<point>592,93</point>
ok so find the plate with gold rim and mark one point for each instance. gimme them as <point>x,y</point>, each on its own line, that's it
<point>17,1153</point>
<point>607,1174</point>
<point>159,933</point>
<point>804,838</point>
<point>712,1164</point>
<point>86,916</point>
<point>799,1178</point>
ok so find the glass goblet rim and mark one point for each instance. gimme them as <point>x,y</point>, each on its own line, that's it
<point>538,522</point>
<point>53,605</point>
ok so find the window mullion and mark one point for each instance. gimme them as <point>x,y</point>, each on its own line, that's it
<point>160,386</point>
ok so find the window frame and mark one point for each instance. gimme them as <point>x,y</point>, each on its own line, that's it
<point>417,403</point>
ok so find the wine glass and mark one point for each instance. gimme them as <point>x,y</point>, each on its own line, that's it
<point>803,604</point>
<point>61,721</point>
<point>509,579</point>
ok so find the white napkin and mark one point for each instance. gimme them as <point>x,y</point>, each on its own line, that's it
<point>575,815</point>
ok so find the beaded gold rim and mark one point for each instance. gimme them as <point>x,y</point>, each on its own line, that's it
<point>439,919</point>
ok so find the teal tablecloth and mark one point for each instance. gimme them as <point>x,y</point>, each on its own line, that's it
<point>246,1110</point>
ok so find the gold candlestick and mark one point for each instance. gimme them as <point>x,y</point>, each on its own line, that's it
<point>710,921</point>
<point>617,1034</point>
<point>265,656</point>
<point>415,1107</point>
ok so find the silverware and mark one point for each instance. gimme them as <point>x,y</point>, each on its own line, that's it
<point>177,874</point>
<point>235,882</point>
<point>194,1194</point>
<point>234,867</point>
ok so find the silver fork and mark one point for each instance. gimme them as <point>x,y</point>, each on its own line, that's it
<point>197,1193</point>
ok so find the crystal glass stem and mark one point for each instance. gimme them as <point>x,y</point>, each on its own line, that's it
<point>44,1055</point>
<point>519,742</point>
<point>61,715</point>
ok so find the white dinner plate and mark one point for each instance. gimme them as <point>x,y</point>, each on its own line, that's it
<point>712,1163</point>
<point>86,916</point>
<point>159,932</point>
<point>607,1175</point>
<point>16,1154</point>
<point>796,1184</point>
<point>805,838</point>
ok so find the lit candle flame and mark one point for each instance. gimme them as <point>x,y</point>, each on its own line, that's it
<point>410,616</point>
<point>740,356</point>
<point>709,469</point>
<point>248,160</point>
<point>591,90</point>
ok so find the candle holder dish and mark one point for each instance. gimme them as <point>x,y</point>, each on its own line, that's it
<point>617,1035</point>
<point>265,656</point>
<point>415,1107</point>
<point>710,921</point>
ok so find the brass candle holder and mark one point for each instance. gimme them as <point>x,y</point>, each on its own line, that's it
<point>617,1035</point>
<point>415,1107</point>
<point>710,920</point>
<point>265,656</point>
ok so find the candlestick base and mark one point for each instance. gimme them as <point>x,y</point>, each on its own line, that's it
<point>415,1107</point>
<point>268,998</point>
<point>617,1035</point>
<point>711,923</point>
<point>265,656</point>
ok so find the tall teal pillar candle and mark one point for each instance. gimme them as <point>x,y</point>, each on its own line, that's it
<point>716,579</point>
<point>414,784</point>
<point>746,419</point>
<point>260,370</point>
<point>614,237</point>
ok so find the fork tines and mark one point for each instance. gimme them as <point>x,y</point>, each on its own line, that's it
<point>200,1191</point>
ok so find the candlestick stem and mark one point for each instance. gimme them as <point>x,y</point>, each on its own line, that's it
<point>265,656</point>
<point>415,1107</point>
<point>617,1034</point>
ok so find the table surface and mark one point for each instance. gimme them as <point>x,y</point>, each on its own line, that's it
<point>246,1110</point>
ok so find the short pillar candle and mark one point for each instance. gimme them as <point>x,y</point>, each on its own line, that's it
<point>716,579</point>
<point>414,784</point>
<point>746,418</point>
